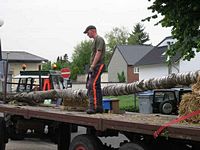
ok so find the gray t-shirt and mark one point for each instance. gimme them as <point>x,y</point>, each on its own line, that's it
<point>98,45</point>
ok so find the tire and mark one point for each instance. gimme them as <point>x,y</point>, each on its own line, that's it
<point>166,107</point>
<point>86,142</point>
<point>132,146</point>
<point>2,134</point>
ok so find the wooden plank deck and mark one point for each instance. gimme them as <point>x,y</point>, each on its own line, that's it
<point>131,122</point>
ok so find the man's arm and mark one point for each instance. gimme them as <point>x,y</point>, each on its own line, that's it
<point>96,58</point>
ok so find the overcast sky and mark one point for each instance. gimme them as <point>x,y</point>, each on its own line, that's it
<point>51,28</point>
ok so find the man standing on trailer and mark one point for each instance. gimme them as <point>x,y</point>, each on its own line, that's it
<point>95,71</point>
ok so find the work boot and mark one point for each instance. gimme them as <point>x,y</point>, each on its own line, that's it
<point>90,111</point>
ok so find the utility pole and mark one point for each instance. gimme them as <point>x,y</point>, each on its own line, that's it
<point>1,23</point>
<point>5,76</point>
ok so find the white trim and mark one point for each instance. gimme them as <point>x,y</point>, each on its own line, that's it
<point>136,70</point>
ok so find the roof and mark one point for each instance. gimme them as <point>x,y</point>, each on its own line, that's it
<point>133,53</point>
<point>155,56</point>
<point>165,39</point>
<point>21,56</point>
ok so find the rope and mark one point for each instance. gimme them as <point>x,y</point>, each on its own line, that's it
<point>174,121</point>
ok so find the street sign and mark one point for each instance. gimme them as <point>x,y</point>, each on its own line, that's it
<point>65,72</point>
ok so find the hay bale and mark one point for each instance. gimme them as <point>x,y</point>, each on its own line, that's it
<point>191,102</point>
<point>196,87</point>
<point>188,104</point>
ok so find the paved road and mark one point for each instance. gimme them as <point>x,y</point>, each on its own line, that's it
<point>36,144</point>
<point>30,144</point>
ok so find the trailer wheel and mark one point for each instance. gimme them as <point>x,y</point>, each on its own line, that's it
<point>166,107</point>
<point>85,142</point>
<point>132,146</point>
<point>2,134</point>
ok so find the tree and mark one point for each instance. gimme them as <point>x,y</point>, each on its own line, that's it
<point>81,58</point>
<point>46,66</point>
<point>66,58</point>
<point>60,63</point>
<point>138,36</point>
<point>184,18</point>
<point>117,36</point>
<point>121,36</point>
<point>58,58</point>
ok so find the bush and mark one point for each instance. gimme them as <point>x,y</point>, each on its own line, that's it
<point>121,77</point>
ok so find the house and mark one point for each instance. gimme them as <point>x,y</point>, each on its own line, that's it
<point>15,61</point>
<point>153,64</point>
<point>123,60</point>
<point>17,58</point>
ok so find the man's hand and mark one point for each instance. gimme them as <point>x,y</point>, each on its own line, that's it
<point>91,70</point>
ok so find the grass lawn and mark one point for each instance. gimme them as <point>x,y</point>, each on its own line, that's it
<point>126,102</point>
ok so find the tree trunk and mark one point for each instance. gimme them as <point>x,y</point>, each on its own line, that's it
<point>39,96</point>
<point>173,80</point>
<point>165,82</point>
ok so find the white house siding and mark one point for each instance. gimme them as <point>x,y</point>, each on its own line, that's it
<point>167,42</point>
<point>192,65</point>
<point>15,68</point>
<point>104,77</point>
<point>152,71</point>
<point>117,65</point>
<point>176,68</point>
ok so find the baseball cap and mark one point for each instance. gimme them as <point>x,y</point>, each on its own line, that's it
<point>88,28</point>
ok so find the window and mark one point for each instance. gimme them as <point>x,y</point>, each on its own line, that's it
<point>136,69</point>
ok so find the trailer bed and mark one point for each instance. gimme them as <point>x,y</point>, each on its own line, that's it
<point>130,122</point>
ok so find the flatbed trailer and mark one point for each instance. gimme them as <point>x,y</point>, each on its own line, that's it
<point>138,128</point>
